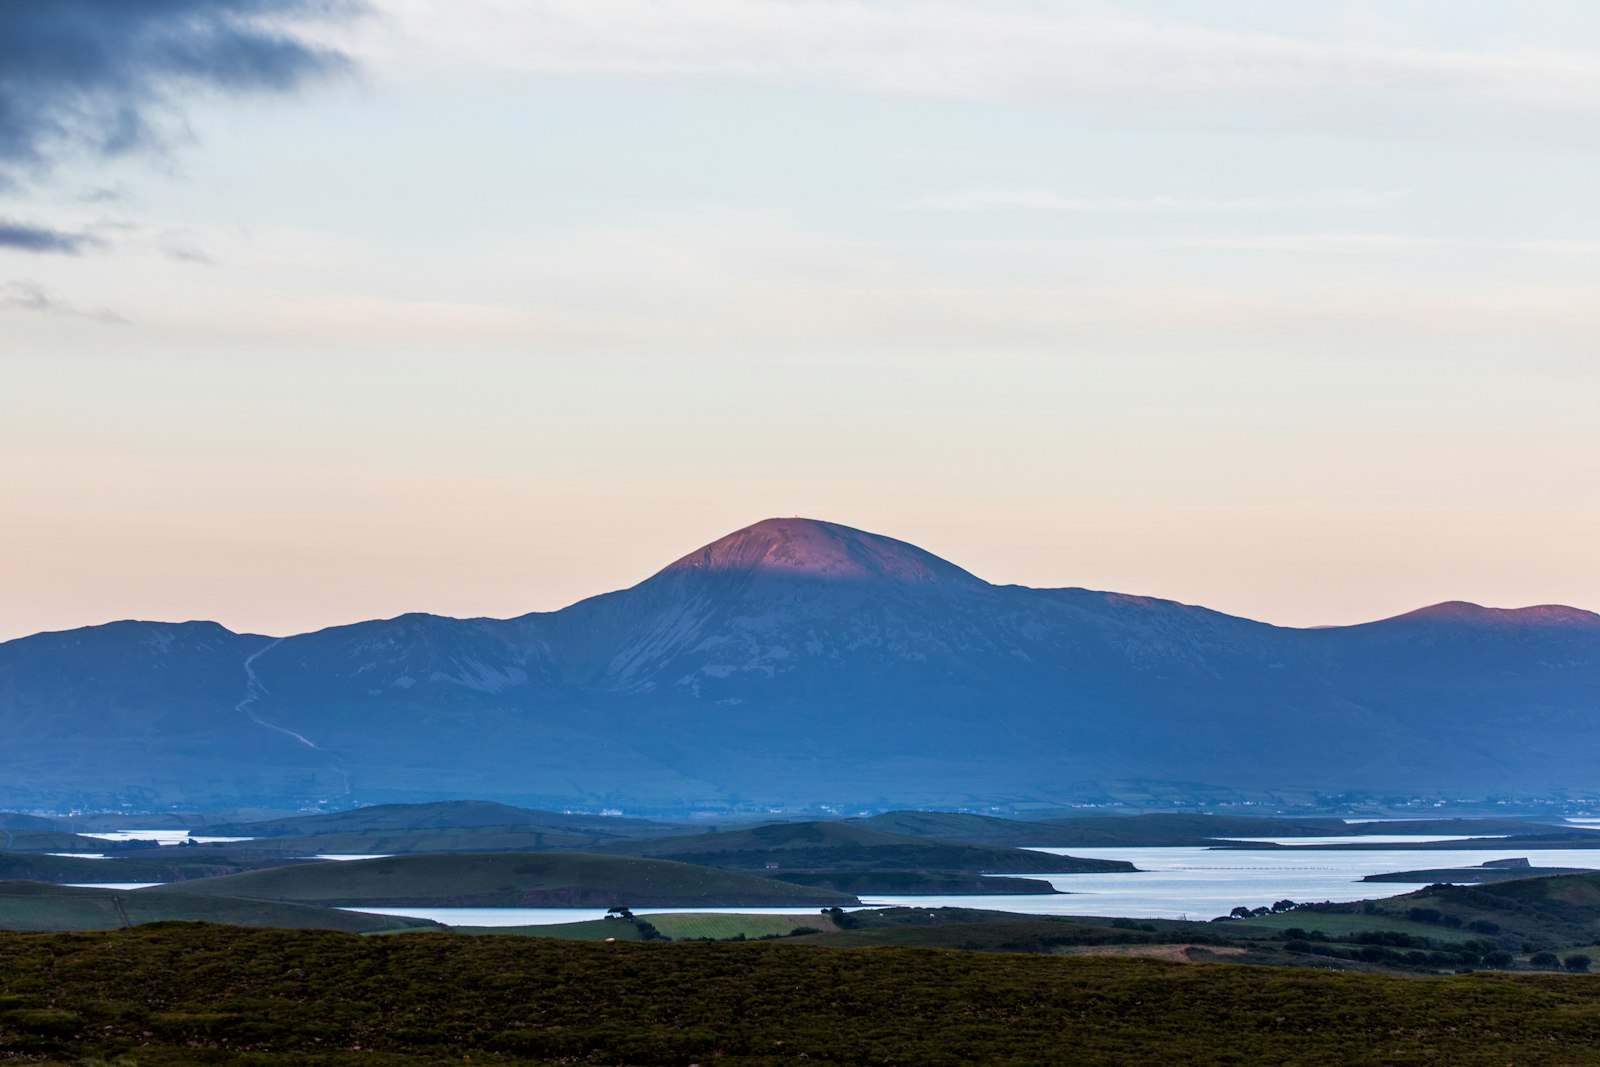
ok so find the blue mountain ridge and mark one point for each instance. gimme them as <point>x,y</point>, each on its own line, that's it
<point>798,662</point>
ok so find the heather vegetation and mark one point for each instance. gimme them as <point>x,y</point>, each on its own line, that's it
<point>184,994</point>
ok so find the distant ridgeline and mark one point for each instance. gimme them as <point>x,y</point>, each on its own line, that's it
<point>797,662</point>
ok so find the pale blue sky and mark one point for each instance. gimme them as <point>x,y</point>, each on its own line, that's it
<point>1285,309</point>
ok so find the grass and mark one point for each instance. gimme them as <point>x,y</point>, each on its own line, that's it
<point>30,906</point>
<point>134,865</point>
<point>187,994</point>
<point>1339,925</point>
<point>459,816</point>
<point>836,846</point>
<point>553,879</point>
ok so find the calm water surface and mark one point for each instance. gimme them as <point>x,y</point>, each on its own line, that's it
<point>1172,883</point>
<point>162,837</point>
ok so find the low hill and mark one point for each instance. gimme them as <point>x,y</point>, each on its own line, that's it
<point>32,906</point>
<point>52,841</point>
<point>959,826</point>
<point>1487,872</point>
<point>549,880</point>
<point>838,846</point>
<point>1561,911</point>
<point>146,865</point>
<point>402,842</point>
<point>452,815</point>
<point>917,883</point>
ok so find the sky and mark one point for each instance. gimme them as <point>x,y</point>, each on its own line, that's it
<point>315,311</point>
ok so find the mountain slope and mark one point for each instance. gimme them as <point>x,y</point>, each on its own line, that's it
<point>798,662</point>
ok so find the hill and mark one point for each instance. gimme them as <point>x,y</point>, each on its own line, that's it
<point>458,816</point>
<point>144,865</point>
<point>833,846</point>
<point>796,663</point>
<point>32,906</point>
<point>545,880</point>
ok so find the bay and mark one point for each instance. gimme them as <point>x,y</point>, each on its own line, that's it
<point>1171,883</point>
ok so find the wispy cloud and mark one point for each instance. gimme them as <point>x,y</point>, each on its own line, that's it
<point>1049,200</point>
<point>1319,242</point>
<point>30,296</point>
<point>27,237</point>
<point>1087,53</point>
<point>106,77</point>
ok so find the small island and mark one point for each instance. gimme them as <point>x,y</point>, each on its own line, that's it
<point>1490,871</point>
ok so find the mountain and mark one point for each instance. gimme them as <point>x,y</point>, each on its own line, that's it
<point>797,663</point>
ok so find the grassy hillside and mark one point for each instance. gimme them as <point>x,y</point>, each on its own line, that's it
<point>52,841</point>
<point>1174,829</point>
<point>34,906</point>
<point>164,995</point>
<point>411,842</point>
<point>510,880</point>
<point>1520,916</point>
<point>902,883</point>
<point>144,865</point>
<point>453,815</point>
<point>835,846</point>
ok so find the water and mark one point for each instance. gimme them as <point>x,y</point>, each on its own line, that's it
<point>351,856</point>
<point>554,916</point>
<point>112,885</point>
<point>1171,883</point>
<point>78,855</point>
<point>162,837</point>
<point>1361,839</point>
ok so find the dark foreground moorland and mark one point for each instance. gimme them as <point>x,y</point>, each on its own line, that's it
<point>196,994</point>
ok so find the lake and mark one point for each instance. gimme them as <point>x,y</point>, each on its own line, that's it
<point>162,837</point>
<point>1172,883</point>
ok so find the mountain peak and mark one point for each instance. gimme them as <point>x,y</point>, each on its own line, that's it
<point>1461,611</point>
<point>810,548</point>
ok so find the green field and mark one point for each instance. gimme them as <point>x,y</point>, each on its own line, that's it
<point>185,994</point>
<point>553,879</point>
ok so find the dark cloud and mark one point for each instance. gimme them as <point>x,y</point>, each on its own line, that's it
<point>105,77</point>
<point>30,296</point>
<point>30,238</point>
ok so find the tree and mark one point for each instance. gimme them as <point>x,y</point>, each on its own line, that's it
<point>1576,962</point>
